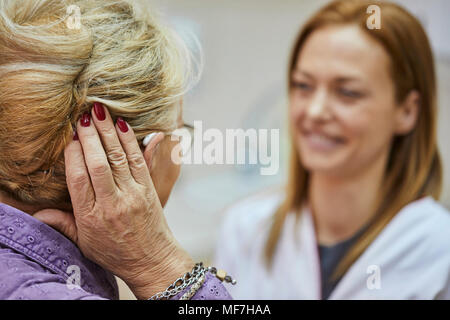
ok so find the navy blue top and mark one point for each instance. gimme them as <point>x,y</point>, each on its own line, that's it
<point>330,256</point>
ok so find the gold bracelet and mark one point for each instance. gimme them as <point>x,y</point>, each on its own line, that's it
<point>194,288</point>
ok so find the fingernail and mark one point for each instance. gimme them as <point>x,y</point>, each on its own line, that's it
<point>123,126</point>
<point>99,111</point>
<point>75,136</point>
<point>86,119</point>
<point>149,138</point>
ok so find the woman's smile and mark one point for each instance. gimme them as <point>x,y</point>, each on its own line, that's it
<point>321,142</point>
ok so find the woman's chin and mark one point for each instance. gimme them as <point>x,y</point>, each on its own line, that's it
<point>327,160</point>
<point>329,165</point>
<point>163,201</point>
<point>323,170</point>
<point>163,196</point>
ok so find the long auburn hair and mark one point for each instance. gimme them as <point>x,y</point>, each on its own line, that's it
<point>414,167</point>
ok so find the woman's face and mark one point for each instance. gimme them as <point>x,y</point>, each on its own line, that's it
<point>342,107</point>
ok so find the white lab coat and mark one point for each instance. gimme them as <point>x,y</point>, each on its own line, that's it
<point>410,258</point>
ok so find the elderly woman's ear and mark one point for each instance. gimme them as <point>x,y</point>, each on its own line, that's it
<point>150,145</point>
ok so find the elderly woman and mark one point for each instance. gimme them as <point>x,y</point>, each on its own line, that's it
<point>59,148</point>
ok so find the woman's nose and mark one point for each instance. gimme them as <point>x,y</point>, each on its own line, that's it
<point>318,106</point>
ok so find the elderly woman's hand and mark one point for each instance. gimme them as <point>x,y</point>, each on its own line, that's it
<point>117,218</point>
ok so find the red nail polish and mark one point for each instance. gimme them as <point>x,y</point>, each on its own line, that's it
<point>75,136</point>
<point>86,119</point>
<point>99,111</point>
<point>122,125</point>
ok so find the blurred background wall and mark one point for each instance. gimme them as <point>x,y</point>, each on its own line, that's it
<point>246,46</point>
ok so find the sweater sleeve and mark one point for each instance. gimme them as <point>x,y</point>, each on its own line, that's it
<point>24,279</point>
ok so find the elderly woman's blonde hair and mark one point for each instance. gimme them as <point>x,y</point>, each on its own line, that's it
<point>52,70</point>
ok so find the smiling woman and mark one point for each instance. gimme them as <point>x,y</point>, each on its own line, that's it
<point>365,171</point>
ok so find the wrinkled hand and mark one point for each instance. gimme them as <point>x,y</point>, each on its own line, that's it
<point>117,218</point>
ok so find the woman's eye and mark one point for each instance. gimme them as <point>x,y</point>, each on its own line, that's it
<point>302,86</point>
<point>350,93</point>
